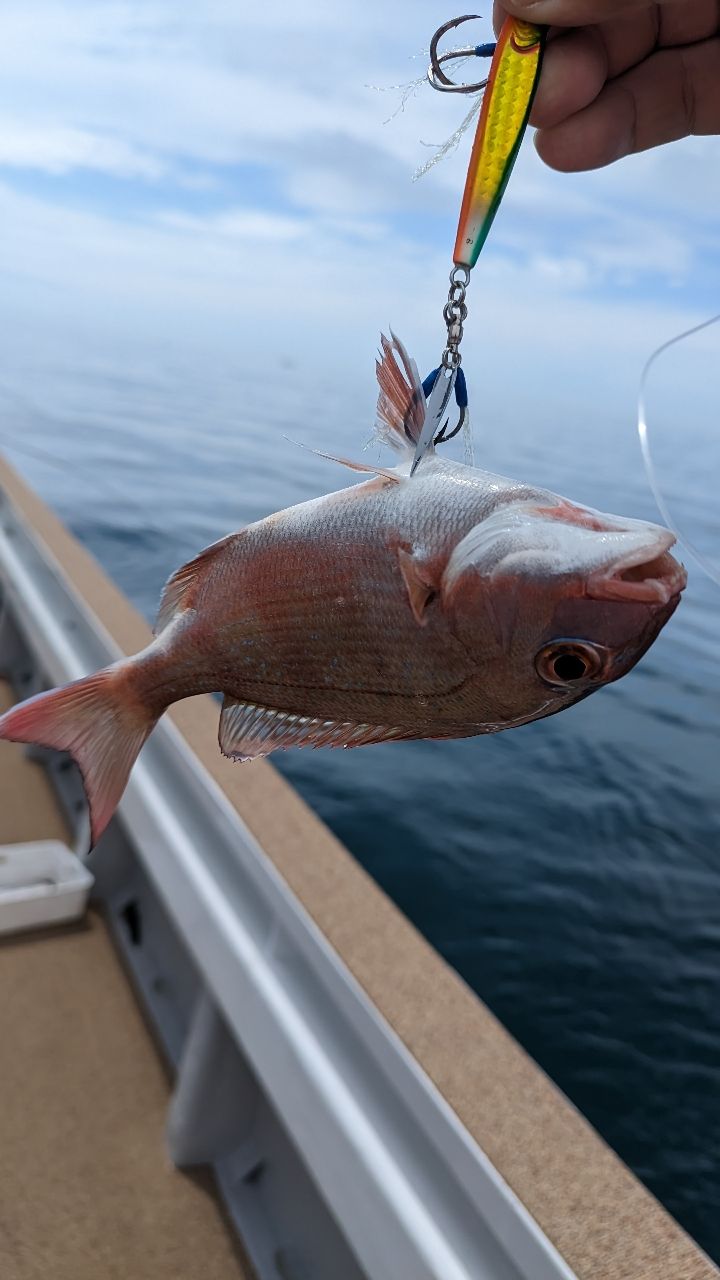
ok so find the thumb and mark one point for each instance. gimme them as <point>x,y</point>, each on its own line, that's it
<point>572,13</point>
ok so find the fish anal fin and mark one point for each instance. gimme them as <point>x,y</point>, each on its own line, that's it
<point>248,731</point>
<point>178,590</point>
<point>419,582</point>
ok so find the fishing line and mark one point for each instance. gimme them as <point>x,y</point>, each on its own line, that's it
<point>650,469</point>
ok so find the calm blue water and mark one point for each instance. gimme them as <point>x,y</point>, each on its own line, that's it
<point>569,870</point>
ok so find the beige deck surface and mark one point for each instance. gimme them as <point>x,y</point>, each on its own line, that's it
<point>86,1190</point>
<point>606,1225</point>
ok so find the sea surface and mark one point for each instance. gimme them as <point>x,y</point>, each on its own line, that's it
<point>570,869</point>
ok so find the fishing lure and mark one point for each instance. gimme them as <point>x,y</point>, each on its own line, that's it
<point>509,91</point>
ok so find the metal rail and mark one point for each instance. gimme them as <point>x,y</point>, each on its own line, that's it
<point>336,1154</point>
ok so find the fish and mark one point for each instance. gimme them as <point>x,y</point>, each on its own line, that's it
<point>441,605</point>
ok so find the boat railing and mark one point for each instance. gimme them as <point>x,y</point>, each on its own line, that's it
<point>364,1113</point>
<point>336,1154</point>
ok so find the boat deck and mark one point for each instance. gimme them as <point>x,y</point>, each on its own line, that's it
<point>86,1189</point>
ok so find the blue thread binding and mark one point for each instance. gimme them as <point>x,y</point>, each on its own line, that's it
<point>461,391</point>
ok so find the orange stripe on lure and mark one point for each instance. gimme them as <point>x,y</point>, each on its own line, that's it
<point>504,115</point>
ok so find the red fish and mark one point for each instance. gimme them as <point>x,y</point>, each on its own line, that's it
<point>444,605</point>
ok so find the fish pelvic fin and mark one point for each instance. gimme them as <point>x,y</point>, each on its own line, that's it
<point>100,721</point>
<point>401,402</point>
<point>179,590</point>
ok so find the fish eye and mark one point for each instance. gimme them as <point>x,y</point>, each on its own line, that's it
<point>566,663</point>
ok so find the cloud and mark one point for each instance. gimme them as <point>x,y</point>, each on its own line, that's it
<point>248,289</point>
<point>59,150</point>
<point>222,176</point>
<point>246,225</point>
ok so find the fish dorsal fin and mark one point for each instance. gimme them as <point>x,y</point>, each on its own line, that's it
<point>385,472</point>
<point>401,402</point>
<point>248,731</point>
<point>178,590</point>
<point>348,462</point>
<point>420,587</point>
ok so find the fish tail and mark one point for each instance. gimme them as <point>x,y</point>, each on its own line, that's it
<point>101,721</point>
<point>401,402</point>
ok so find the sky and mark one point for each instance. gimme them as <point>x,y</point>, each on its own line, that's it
<point>234,182</point>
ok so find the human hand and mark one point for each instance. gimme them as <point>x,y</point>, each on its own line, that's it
<point>620,76</point>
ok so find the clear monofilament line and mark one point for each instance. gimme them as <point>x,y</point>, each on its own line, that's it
<point>644,434</point>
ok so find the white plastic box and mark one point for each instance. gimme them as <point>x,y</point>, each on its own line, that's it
<point>42,883</point>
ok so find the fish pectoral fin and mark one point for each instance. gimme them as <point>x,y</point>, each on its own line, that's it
<point>248,731</point>
<point>420,587</point>
<point>177,592</point>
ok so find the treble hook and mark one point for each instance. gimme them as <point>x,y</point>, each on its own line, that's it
<point>461,400</point>
<point>437,76</point>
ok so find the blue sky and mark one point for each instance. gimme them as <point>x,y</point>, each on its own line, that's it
<point>221,178</point>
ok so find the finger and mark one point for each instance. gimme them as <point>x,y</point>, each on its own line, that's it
<point>574,13</point>
<point>631,38</point>
<point>673,93</point>
<point>674,21</point>
<point>574,71</point>
<point>624,40</point>
<point>681,23</point>
<point>639,29</point>
<point>577,63</point>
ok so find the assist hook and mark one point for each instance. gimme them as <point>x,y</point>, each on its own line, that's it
<point>435,73</point>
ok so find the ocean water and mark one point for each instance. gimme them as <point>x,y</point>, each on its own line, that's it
<point>570,869</point>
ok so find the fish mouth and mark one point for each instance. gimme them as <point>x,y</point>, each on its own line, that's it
<point>646,575</point>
